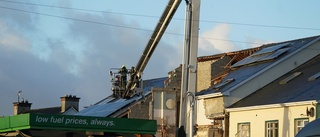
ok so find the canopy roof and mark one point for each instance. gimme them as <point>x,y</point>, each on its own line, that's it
<point>78,124</point>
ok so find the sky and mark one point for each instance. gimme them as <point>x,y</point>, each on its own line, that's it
<point>53,48</point>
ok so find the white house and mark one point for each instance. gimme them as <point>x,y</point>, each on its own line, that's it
<point>282,107</point>
<point>252,74</point>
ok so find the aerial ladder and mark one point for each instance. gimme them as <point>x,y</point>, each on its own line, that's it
<point>135,73</point>
<point>132,87</point>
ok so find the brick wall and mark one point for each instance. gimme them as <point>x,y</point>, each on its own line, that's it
<point>141,109</point>
<point>204,75</point>
<point>207,70</point>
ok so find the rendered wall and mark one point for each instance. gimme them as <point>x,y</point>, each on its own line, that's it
<point>201,116</point>
<point>214,107</point>
<point>257,119</point>
<point>165,111</point>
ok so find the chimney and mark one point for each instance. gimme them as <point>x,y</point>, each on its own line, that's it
<point>69,101</point>
<point>20,107</point>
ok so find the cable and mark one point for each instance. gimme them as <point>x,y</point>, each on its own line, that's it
<point>119,26</point>
<point>80,9</point>
<point>149,16</point>
<point>44,14</point>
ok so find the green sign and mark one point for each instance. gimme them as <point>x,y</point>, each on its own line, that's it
<point>82,123</point>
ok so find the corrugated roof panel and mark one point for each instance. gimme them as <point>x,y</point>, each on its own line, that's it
<point>298,89</point>
<point>274,55</point>
<point>104,110</point>
<point>250,60</point>
<point>105,101</point>
<point>222,84</point>
<point>271,49</point>
<point>110,105</point>
<point>263,57</point>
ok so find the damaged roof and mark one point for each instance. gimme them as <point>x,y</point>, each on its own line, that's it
<point>110,105</point>
<point>235,56</point>
<point>247,67</point>
<point>300,84</point>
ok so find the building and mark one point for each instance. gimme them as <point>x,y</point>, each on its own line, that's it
<point>135,107</point>
<point>165,106</point>
<point>212,70</point>
<point>249,75</point>
<point>161,99</point>
<point>281,108</point>
<point>62,121</point>
<point>69,106</point>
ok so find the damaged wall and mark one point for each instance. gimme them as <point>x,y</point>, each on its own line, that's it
<point>214,107</point>
<point>207,70</point>
<point>164,106</point>
<point>140,110</point>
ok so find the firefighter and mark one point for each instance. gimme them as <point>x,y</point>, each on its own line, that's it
<point>117,81</point>
<point>123,76</point>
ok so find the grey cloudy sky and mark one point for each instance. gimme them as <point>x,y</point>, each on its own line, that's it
<point>47,51</point>
<point>75,62</point>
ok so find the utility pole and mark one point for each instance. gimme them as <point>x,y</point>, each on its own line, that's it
<point>189,69</point>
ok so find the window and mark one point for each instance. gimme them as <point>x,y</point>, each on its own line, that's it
<point>272,128</point>
<point>299,124</point>
<point>314,77</point>
<point>243,130</point>
<point>292,76</point>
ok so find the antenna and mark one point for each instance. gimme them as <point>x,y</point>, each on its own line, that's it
<point>19,93</point>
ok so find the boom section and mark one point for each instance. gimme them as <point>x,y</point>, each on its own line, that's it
<point>162,25</point>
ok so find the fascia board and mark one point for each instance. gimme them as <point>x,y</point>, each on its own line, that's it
<point>209,96</point>
<point>310,102</point>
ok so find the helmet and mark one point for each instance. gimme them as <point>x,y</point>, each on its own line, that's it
<point>123,66</point>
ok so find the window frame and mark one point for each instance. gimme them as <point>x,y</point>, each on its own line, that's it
<point>266,127</point>
<point>295,124</point>
<point>244,123</point>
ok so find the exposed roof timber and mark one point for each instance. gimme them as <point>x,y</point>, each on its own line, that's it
<point>212,57</point>
<point>218,78</point>
<point>232,60</point>
<point>242,54</point>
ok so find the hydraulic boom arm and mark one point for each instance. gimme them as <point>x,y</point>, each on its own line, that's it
<point>163,23</point>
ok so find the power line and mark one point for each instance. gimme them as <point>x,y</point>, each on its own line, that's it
<point>150,16</point>
<point>80,9</point>
<point>68,18</point>
<point>119,26</point>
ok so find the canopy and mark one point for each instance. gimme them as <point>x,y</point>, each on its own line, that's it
<point>35,123</point>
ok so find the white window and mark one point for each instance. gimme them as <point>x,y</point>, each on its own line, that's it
<point>299,124</point>
<point>243,130</point>
<point>272,129</point>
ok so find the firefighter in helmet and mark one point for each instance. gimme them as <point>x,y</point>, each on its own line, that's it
<point>123,76</point>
